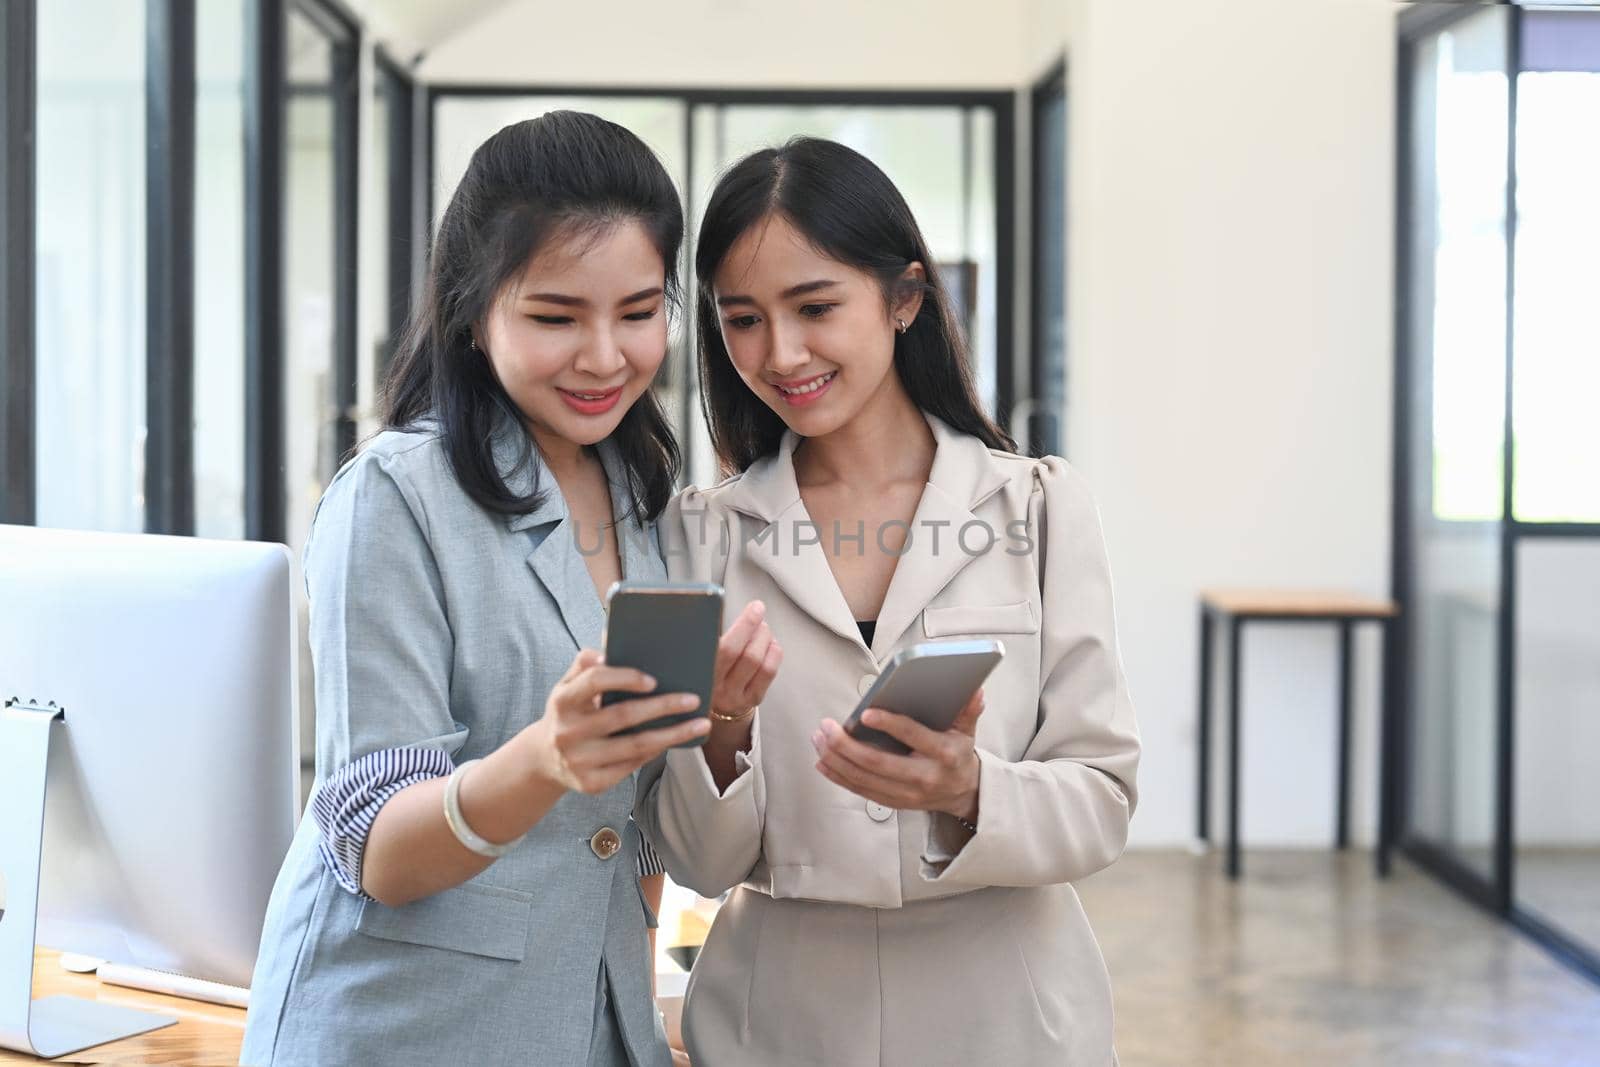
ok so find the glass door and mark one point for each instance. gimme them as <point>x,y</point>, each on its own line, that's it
<point>1453,391</point>
<point>1555,364</point>
<point>319,271</point>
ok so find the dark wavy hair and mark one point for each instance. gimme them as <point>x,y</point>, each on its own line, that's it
<point>851,212</point>
<point>565,174</point>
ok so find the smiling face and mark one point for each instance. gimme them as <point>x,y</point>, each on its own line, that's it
<point>579,336</point>
<point>812,337</point>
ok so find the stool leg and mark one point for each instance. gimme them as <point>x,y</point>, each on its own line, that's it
<point>1342,834</point>
<point>1203,770</point>
<point>1235,632</point>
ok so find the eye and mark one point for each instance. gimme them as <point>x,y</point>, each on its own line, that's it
<point>742,322</point>
<point>641,316</point>
<point>816,311</point>
<point>552,320</point>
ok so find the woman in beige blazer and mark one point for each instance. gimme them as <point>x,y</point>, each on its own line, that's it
<point>889,910</point>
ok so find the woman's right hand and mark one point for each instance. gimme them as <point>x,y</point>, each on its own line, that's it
<point>748,658</point>
<point>572,745</point>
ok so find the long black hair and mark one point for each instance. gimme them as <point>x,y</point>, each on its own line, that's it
<point>850,211</point>
<point>563,174</point>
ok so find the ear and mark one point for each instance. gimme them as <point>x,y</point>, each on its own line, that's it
<point>909,300</point>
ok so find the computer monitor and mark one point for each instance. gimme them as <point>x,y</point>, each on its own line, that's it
<point>172,790</point>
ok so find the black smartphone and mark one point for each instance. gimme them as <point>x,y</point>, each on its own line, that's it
<point>670,631</point>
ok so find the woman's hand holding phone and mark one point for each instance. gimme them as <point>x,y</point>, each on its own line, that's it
<point>572,745</point>
<point>748,657</point>
<point>939,774</point>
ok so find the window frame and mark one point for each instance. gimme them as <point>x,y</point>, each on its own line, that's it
<point>18,114</point>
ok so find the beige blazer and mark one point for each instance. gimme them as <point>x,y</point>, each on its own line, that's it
<point>865,937</point>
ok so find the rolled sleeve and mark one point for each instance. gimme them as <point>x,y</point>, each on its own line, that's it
<point>346,805</point>
<point>382,649</point>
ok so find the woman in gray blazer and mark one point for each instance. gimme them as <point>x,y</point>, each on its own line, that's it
<point>891,910</point>
<point>466,890</point>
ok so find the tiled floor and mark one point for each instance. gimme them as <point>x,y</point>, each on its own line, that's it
<point>1562,887</point>
<point>1311,961</point>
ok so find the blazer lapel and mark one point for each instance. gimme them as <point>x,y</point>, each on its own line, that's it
<point>555,558</point>
<point>788,550</point>
<point>788,547</point>
<point>962,478</point>
<point>559,565</point>
<point>637,551</point>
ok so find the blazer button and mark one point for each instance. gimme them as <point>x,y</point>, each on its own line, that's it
<point>866,683</point>
<point>878,812</point>
<point>606,843</point>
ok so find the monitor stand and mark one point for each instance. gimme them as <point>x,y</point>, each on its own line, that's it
<point>50,1026</point>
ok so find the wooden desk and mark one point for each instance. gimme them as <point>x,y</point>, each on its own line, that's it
<point>1235,607</point>
<point>206,1035</point>
<point>1266,603</point>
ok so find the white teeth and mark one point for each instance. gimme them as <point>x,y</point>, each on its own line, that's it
<point>810,387</point>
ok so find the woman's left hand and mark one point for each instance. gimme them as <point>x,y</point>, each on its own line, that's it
<point>939,774</point>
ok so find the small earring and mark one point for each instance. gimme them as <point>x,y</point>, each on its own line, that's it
<point>472,344</point>
<point>902,324</point>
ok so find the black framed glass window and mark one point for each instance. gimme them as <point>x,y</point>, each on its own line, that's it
<point>17,115</point>
<point>90,262</point>
<point>950,153</point>
<point>320,101</point>
<point>1455,290</point>
<point>319,299</point>
<point>1497,547</point>
<point>1047,376</point>
<point>1557,315</point>
<point>941,157</point>
<point>219,269</point>
<point>393,252</point>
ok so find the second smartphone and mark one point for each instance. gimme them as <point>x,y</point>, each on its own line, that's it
<point>670,631</point>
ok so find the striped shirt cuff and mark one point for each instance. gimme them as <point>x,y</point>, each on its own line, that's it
<point>649,862</point>
<point>348,803</point>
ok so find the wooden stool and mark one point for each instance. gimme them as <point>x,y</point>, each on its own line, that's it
<point>1237,607</point>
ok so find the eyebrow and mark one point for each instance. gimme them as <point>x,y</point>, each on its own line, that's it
<point>788,294</point>
<point>577,301</point>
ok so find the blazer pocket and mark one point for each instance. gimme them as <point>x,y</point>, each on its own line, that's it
<point>980,619</point>
<point>484,920</point>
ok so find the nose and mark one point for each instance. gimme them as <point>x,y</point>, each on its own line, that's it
<point>789,353</point>
<point>600,356</point>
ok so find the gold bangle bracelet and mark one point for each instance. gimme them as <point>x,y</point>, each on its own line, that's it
<point>719,717</point>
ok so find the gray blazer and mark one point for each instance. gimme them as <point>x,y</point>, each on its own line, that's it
<point>437,623</point>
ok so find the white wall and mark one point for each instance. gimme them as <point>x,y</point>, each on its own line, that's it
<point>931,44</point>
<point>1046,27</point>
<point>1229,299</point>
